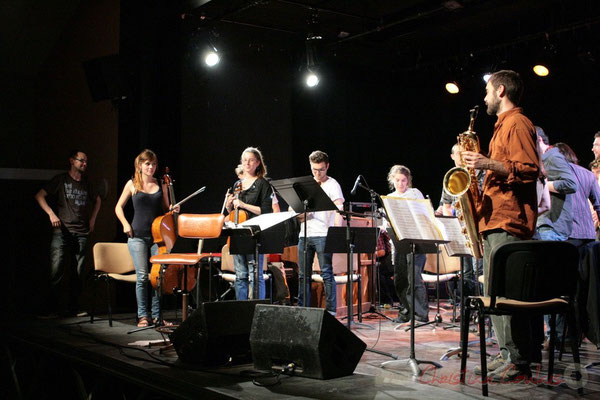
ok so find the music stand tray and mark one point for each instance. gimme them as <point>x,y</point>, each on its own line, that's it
<point>304,195</point>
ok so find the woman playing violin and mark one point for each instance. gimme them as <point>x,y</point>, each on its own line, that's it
<point>150,200</point>
<point>254,198</point>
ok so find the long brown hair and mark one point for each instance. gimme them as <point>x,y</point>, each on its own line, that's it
<point>261,170</point>
<point>145,155</point>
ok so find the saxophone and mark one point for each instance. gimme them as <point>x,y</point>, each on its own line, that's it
<point>463,183</point>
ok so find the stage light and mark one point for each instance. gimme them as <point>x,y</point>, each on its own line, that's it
<point>541,70</point>
<point>311,79</point>
<point>211,58</point>
<point>486,77</point>
<point>452,87</point>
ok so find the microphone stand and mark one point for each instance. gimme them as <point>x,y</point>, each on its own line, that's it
<point>376,281</point>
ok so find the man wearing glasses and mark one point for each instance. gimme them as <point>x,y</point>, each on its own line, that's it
<point>71,196</point>
<point>317,224</point>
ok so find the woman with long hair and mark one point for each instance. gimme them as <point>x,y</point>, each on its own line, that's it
<point>254,198</point>
<point>150,200</point>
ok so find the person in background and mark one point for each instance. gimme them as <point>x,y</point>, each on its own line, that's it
<point>72,216</point>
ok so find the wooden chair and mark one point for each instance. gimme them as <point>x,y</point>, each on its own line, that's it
<point>228,273</point>
<point>191,226</point>
<point>530,277</point>
<point>112,262</point>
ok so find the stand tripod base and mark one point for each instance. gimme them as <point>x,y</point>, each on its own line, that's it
<point>412,363</point>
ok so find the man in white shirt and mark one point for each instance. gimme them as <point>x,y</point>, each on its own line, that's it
<point>317,224</point>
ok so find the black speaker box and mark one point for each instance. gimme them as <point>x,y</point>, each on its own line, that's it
<point>106,78</point>
<point>316,343</point>
<point>216,333</point>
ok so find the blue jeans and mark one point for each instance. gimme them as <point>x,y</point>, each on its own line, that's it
<point>244,275</point>
<point>67,255</point>
<point>141,249</point>
<point>316,244</point>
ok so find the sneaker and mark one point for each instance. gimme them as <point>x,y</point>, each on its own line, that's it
<point>401,318</point>
<point>510,372</point>
<point>493,363</point>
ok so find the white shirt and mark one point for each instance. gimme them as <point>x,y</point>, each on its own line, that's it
<point>317,223</point>
<point>411,193</point>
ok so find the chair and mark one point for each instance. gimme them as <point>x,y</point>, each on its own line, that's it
<point>112,262</point>
<point>191,226</point>
<point>228,272</point>
<point>339,266</point>
<point>530,277</point>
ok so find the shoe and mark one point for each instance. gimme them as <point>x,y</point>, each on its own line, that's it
<point>421,319</point>
<point>492,364</point>
<point>143,322</point>
<point>82,314</point>
<point>401,318</point>
<point>510,372</point>
<point>163,323</point>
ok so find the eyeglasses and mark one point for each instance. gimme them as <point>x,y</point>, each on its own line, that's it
<point>81,160</point>
<point>319,169</point>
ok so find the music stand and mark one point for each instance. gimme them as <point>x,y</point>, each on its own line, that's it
<point>263,234</point>
<point>350,240</point>
<point>304,195</point>
<point>412,362</point>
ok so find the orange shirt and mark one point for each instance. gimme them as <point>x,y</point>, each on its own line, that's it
<point>510,202</point>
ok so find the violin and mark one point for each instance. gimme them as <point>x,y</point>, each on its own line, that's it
<point>238,216</point>
<point>164,233</point>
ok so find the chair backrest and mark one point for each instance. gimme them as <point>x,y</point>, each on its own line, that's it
<point>200,226</point>
<point>112,258</point>
<point>533,270</point>
<point>227,260</point>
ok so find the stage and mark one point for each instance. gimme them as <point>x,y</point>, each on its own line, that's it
<point>72,358</point>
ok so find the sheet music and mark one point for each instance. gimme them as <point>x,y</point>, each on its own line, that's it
<point>265,221</point>
<point>458,242</point>
<point>413,219</point>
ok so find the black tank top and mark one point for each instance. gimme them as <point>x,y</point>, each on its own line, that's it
<point>146,207</point>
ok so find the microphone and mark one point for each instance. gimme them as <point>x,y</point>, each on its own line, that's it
<point>353,191</point>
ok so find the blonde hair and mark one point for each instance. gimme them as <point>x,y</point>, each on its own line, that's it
<point>261,170</point>
<point>145,155</point>
<point>399,169</point>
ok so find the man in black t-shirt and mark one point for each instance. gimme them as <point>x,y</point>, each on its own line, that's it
<point>71,197</point>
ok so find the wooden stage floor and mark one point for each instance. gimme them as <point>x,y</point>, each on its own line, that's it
<point>71,357</point>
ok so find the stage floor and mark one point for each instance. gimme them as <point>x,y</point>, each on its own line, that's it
<point>72,357</point>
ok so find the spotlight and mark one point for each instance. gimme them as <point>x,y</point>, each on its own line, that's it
<point>311,79</point>
<point>211,58</point>
<point>541,70</point>
<point>452,87</point>
<point>486,77</point>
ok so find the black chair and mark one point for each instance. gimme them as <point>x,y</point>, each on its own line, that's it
<point>530,277</point>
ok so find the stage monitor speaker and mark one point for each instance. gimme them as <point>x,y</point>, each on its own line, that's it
<point>217,333</point>
<point>314,341</point>
<point>106,78</point>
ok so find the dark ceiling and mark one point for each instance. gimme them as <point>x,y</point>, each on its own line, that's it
<point>410,34</point>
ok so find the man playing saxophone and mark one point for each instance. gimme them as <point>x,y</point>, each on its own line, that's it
<point>508,210</point>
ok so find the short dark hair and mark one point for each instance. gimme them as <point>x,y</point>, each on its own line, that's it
<point>540,132</point>
<point>73,153</point>
<point>512,82</point>
<point>568,152</point>
<point>597,135</point>
<point>318,157</point>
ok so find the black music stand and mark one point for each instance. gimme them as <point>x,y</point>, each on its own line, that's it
<point>416,246</point>
<point>350,240</point>
<point>263,234</point>
<point>304,195</point>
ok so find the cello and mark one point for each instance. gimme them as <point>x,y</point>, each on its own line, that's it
<point>164,234</point>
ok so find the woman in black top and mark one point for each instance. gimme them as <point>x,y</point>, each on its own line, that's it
<point>149,201</point>
<point>254,199</point>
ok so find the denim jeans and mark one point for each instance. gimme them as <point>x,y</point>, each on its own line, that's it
<point>316,245</point>
<point>67,255</point>
<point>244,275</point>
<point>141,249</point>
